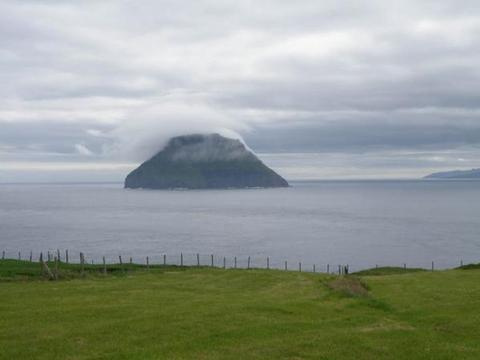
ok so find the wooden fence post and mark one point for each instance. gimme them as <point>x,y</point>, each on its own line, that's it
<point>328,268</point>
<point>300,266</point>
<point>58,255</point>
<point>286,266</point>
<point>66,256</point>
<point>268,263</point>
<point>31,256</point>
<point>120,259</point>
<point>46,269</point>
<point>164,259</point>
<point>224,262</point>
<point>339,270</point>
<point>40,260</point>
<point>313,267</point>
<point>148,264</point>
<point>248,263</point>
<point>131,260</point>
<point>48,255</point>
<point>82,262</point>
<point>181,259</point>
<point>404,266</point>
<point>235,262</point>
<point>198,259</point>
<point>433,267</point>
<point>19,256</point>
<point>104,266</point>
<point>212,259</point>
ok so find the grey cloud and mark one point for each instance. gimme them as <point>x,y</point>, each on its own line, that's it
<point>353,77</point>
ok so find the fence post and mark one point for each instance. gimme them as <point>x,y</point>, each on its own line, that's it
<point>404,266</point>
<point>461,262</point>
<point>31,256</point>
<point>198,259</point>
<point>148,264</point>
<point>164,259</point>
<point>286,266</point>
<point>328,268</point>
<point>339,270</point>
<point>248,263</point>
<point>300,266</point>
<point>235,262</point>
<point>313,267</point>
<point>268,263</point>
<point>212,259</point>
<point>58,255</point>
<point>3,255</point>
<point>46,269</point>
<point>181,259</point>
<point>48,255</point>
<point>433,266</point>
<point>19,256</point>
<point>224,262</point>
<point>131,260</point>
<point>40,260</point>
<point>104,266</point>
<point>120,259</point>
<point>66,256</point>
<point>82,262</point>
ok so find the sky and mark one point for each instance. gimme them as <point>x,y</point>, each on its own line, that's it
<point>318,89</point>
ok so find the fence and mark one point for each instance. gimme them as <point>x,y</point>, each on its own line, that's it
<point>191,260</point>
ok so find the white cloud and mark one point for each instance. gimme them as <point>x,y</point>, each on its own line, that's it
<point>83,150</point>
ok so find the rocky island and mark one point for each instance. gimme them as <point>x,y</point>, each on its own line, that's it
<point>203,162</point>
<point>457,174</point>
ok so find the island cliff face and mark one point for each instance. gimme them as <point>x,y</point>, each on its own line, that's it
<point>203,162</point>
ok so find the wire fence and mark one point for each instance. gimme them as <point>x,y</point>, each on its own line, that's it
<point>199,259</point>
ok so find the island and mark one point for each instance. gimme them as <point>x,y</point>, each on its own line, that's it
<point>457,174</point>
<point>201,161</point>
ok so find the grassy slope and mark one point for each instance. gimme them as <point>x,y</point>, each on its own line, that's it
<point>201,313</point>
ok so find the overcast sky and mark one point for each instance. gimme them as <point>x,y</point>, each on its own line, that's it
<point>319,89</point>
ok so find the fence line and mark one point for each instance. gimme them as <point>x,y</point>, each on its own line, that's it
<point>195,259</point>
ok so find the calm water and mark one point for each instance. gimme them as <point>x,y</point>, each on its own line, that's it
<point>359,223</point>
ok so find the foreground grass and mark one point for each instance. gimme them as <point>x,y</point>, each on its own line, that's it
<point>203,313</point>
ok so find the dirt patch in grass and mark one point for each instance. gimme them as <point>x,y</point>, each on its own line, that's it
<point>350,286</point>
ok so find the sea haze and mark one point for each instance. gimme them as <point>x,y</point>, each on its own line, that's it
<point>361,223</point>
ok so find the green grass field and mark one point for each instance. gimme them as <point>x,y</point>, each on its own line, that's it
<point>204,313</point>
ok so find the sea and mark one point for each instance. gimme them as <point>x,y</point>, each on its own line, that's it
<point>312,224</point>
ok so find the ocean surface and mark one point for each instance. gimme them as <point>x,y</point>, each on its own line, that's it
<point>360,223</point>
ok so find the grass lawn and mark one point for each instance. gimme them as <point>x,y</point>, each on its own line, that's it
<point>204,313</point>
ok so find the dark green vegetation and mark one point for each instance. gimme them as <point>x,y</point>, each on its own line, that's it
<point>203,162</point>
<point>387,270</point>
<point>205,313</point>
